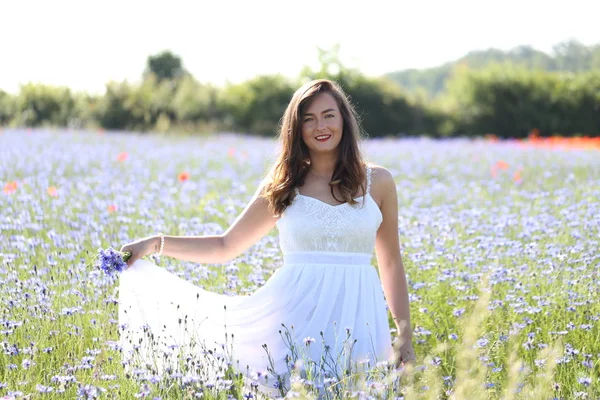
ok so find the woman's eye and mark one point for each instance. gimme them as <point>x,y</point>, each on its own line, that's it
<point>307,119</point>
<point>329,116</point>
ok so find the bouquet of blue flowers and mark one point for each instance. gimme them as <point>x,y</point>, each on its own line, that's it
<point>112,261</point>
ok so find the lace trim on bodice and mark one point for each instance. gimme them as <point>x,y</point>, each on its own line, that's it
<point>297,191</point>
<point>310,224</point>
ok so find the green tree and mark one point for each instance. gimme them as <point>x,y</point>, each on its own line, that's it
<point>195,102</point>
<point>114,110</point>
<point>6,108</point>
<point>39,105</point>
<point>257,105</point>
<point>510,102</point>
<point>164,66</point>
<point>573,56</point>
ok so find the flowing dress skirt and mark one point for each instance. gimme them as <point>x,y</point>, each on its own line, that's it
<point>324,306</point>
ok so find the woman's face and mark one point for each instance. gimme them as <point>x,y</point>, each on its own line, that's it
<point>322,125</point>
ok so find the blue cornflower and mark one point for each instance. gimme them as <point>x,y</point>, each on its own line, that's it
<point>308,341</point>
<point>457,312</point>
<point>111,261</point>
<point>89,392</point>
<point>44,389</point>
<point>586,381</point>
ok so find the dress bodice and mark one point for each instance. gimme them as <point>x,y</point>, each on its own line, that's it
<point>309,224</point>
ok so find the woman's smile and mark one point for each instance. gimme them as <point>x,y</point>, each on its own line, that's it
<point>323,138</point>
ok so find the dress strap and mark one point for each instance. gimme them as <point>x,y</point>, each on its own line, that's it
<point>368,178</point>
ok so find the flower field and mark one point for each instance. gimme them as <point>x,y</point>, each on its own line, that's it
<point>500,241</point>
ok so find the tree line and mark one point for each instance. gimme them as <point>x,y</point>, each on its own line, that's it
<point>508,100</point>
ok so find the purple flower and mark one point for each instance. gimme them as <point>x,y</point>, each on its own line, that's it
<point>308,341</point>
<point>586,381</point>
<point>88,392</point>
<point>111,261</point>
<point>44,389</point>
<point>457,312</point>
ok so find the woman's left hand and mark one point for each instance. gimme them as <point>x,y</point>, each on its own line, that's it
<point>138,249</point>
<point>404,354</point>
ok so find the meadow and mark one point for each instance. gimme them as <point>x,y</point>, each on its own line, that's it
<point>500,241</point>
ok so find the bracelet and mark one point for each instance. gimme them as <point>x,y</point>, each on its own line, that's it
<point>162,245</point>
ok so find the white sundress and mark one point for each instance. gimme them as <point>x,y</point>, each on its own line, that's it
<point>325,293</point>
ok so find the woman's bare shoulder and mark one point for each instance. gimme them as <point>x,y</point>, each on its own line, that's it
<point>382,184</point>
<point>381,176</point>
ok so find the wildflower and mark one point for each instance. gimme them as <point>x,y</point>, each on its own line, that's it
<point>517,176</point>
<point>122,157</point>
<point>585,381</point>
<point>89,392</point>
<point>52,191</point>
<point>183,176</point>
<point>143,393</point>
<point>10,187</point>
<point>44,389</point>
<point>587,364</point>
<point>540,363</point>
<point>501,165</point>
<point>111,261</point>
<point>458,312</point>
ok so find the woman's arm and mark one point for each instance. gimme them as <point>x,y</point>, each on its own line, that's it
<point>255,221</point>
<point>391,269</point>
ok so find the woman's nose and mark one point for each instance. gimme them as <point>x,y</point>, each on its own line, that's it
<point>320,124</point>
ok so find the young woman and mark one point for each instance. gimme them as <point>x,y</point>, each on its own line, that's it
<point>326,302</point>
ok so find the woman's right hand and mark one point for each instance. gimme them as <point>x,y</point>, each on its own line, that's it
<point>139,249</point>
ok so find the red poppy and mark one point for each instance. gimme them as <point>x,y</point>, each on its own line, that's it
<point>52,191</point>
<point>121,157</point>
<point>501,165</point>
<point>10,187</point>
<point>183,176</point>
<point>517,176</point>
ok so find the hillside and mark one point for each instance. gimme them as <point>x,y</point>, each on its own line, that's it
<point>570,56</point>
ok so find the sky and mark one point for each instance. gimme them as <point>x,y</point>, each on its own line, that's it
<point>84,44</point>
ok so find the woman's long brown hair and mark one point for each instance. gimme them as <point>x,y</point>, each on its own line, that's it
<point>293,163</point>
